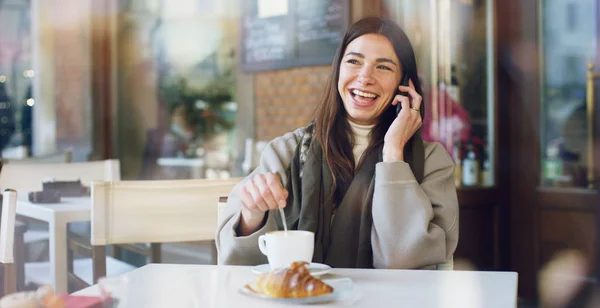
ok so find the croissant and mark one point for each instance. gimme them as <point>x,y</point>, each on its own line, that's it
<point>293,282</point>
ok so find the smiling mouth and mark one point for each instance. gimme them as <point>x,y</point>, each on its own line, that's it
<point>362,97</point>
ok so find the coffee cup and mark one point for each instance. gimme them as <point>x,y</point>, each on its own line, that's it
<point>282,248</point>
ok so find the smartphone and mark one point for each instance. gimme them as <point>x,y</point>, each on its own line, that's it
<point>403,82</point>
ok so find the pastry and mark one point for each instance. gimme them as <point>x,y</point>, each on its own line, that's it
<point>293,282</point>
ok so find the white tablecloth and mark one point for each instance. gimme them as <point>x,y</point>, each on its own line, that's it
<point>173,285</point>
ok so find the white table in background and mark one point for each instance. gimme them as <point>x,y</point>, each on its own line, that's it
<point>58,216</point>
<point>196,165</point>
<point>176,285</point>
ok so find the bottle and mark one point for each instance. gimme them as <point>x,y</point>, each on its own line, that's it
<point>470,168</point>
<point>486,177</point>
<point>552,165</point>
<point>454,87</point>
<point>457,164</point>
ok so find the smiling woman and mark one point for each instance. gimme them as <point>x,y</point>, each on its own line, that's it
<point>369,76</point>
<point>359,175</point>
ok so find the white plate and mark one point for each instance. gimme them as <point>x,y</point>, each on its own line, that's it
<point>341,288</point>
<point>315,269</point>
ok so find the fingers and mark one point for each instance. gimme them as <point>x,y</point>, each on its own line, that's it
<point>254,201</point>
<point>412,92</point>
<point>279,193</point>
<point>405,102</point>
<point>412,114</point>
<point>411,84</point>
<point>263,192</point>
<point>247,200</point>
<point>398,99</point>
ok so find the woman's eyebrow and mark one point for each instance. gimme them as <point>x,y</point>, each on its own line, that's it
<point>386,60</point>
<point>353,53</point>
<point>379,60</point>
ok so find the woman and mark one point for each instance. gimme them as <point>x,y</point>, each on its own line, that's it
<point>359,175</point>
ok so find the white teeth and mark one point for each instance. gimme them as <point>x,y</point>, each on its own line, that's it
<point>363,94</point>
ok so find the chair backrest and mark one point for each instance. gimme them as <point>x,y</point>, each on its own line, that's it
<point>54,158</point>
<point>18,152</point>
<point>446,266</point>
<point>7,226</point>
<point>156,211</point>
<point>26,177</point>
<point>221,206</point>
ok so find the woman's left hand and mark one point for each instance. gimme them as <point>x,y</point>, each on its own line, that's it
<point>405,125</point>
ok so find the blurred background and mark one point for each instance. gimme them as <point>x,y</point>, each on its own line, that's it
<point>195,88</point>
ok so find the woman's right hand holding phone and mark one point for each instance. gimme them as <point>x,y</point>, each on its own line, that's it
<point>405,125</point>
<point>261,193</point>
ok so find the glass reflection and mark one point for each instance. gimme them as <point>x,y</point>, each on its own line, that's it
<point>15,79</point>
<point>453,41</point>
<point>569,41</point>
<point>177,64</point>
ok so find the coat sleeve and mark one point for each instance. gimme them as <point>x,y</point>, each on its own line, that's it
<point>243,250</point>
<point>415,226</point>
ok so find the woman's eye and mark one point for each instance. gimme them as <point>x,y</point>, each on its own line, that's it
<point>384,67</point>
<point>352,61</point>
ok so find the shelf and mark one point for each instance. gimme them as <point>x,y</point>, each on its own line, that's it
<point>559,198</point>
<point>477,196</point>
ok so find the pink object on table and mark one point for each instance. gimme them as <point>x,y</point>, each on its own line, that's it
<point>72,301</point>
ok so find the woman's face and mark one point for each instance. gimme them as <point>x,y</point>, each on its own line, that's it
<point>370,73</point>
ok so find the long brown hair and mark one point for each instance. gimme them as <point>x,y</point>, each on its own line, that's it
<point>331,125</point>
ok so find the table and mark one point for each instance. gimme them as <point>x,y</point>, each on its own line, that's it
<point>57,215</point>
<point>177,285</point>
<point>195,165</point>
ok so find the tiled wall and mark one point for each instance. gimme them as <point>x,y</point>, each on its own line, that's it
<point>286,99</point>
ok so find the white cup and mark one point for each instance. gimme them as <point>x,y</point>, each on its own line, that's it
<point>283,248</point>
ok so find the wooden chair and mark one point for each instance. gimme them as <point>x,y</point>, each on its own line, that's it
<point>7,238</point>
<point>19,250</point>
<point>446,266</point>
<point>221,205</point>
<point>54,158</point>
<point>18,152</point>
<point>28,176</point>
<point>128,212</point>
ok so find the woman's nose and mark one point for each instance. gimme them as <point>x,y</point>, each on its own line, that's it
<point>365,75</point>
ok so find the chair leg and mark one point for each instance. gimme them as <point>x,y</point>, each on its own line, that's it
<point>19,250</point>
<point>116,252</point>
<point>156,256</point>
<point>99,262</point>
<point>70,269</point>
<point>214,256</point>
<point>9,278</point>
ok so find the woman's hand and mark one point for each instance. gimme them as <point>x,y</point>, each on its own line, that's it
<point>261,193</point>
<point>405,125</point>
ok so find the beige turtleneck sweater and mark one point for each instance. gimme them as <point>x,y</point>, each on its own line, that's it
<point>361,139</point>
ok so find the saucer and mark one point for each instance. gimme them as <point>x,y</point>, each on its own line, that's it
<point>315,269</point>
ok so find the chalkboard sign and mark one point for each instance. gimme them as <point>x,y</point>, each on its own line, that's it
<point>301,33</point>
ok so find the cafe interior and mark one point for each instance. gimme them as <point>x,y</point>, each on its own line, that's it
<point>144,114</point>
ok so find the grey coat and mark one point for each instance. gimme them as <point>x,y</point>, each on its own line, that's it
<point>414,226</point>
